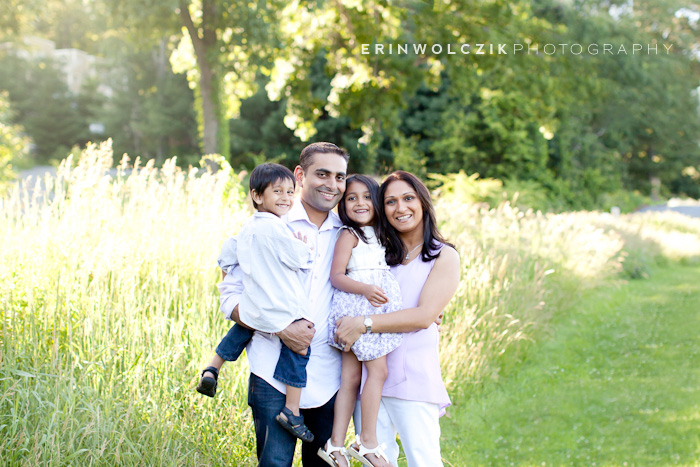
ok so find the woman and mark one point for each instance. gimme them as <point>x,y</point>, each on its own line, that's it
<point>427,269</point>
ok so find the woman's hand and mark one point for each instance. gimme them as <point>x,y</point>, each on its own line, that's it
<point>375,295</point>
<point>349,330</point>
<point>438,321</point>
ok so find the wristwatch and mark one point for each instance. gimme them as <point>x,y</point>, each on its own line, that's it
<point>368,325</point>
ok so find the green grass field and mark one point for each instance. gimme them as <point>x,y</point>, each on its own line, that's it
<point>616,383</point>
<point>108,311</point>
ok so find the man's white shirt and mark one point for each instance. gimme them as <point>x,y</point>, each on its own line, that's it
<point>323,369</point>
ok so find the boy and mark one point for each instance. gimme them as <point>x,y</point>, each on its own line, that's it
<point>272,260</point>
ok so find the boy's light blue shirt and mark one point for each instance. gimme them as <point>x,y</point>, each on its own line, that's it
<point>274,265</point>
<point>323,369</point>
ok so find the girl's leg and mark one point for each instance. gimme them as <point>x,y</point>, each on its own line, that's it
<point>350,377</point>
<point>386,432</point>
<point>371,398</point>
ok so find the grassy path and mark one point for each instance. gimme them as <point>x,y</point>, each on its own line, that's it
<point>616,384</point>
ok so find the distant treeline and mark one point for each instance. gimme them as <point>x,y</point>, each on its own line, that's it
<point>578,99</point>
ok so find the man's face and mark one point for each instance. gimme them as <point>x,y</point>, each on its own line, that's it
<point>323,183</point>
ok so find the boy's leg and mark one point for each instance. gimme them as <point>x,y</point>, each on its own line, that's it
<point>230,348</point>
<point>232,345</point>
<point>291,370</point>
<point>275,446</point>
<point>216,362</point>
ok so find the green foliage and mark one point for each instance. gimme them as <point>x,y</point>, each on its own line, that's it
<point>50,115</point>
<point>578,125</point>
<point>464,189</point>
<point>582,127</point>
<point>151,113</point>
<point>13,145</point>
<point>260,134</point>
<point>627,201</point>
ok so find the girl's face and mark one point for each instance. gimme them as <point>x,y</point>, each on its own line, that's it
<point>402,207</point>
<point>358,203</point>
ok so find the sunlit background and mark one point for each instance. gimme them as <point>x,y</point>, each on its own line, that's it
<point>537,162</point>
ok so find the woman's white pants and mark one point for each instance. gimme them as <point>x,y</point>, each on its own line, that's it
<point>418,426</point>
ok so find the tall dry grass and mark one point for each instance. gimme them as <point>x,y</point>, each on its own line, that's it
<point>108,309</point>
<point>520,267</point>
<point>108,306</point>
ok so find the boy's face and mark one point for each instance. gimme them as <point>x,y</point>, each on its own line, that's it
<point>277,198</point>
<point>323,183</point>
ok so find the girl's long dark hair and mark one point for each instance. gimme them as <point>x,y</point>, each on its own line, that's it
<point>395,249</point>
<point>373,188</point>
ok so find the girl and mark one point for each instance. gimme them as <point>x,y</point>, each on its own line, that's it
<point>427,269</point>
<point>367,289</point>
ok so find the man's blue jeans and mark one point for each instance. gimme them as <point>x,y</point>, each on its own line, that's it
<point>275,446</point>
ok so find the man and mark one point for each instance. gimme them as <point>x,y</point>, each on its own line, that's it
<point>321,177</point>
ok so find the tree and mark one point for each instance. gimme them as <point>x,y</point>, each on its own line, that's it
<point>224,45</point>
<point>151,113</point>
<point>43,106</point>
<point>13,146</point>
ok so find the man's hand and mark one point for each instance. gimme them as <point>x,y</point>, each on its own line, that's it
<point>297,336</point>
<point>237,319</point>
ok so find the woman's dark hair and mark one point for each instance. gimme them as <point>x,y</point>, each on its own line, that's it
<point>395,249</point>
<point>265,175</point>
<point>373,188</point>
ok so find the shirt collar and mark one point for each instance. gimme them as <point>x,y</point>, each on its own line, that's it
<point>298,213</point>
<point>268,215</point>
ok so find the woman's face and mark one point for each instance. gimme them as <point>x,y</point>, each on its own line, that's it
<point>402,207</point>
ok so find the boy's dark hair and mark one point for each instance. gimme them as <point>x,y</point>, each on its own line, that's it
<point>265,175</point>
<point>306,158</point>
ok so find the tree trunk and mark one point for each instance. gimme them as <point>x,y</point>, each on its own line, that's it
<point>204,44</point>
<point>210,116</point>
<point>161,59</point>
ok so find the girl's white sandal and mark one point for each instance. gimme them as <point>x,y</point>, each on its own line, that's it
<point>359,454</point>
<point>326,453</point>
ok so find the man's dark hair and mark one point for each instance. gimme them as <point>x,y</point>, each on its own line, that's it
<point>307,154</point>
<point>265,175</point>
